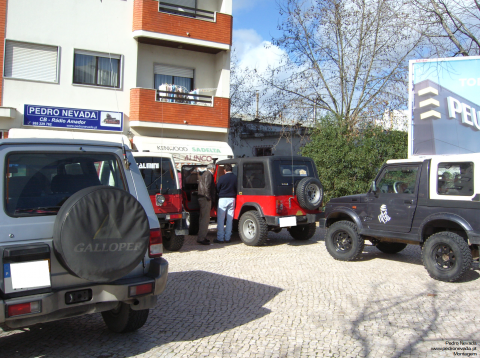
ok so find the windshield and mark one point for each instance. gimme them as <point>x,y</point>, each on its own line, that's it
<point>39,183</point>
<point>158,174</point>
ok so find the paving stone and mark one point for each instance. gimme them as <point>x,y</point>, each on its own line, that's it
<point>284,299</point>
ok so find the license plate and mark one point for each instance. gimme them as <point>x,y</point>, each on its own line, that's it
<point>28,275</point>
<point>288,221</point>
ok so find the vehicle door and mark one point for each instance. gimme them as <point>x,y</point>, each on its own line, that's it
<point>392,206</point>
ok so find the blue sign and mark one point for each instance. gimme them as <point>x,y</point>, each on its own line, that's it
<point>72,118</point>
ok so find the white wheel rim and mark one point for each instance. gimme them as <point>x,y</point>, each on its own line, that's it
<point>249,229</point>
<point>313,193</point>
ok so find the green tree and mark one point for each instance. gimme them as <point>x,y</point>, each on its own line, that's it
<point>347,158</point>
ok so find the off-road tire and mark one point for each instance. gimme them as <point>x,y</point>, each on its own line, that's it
<point>391,247</point>
<point>194,223</point>
<point>123,319</point>
<point>171,241</point>
<point>343,241</point>
<point>303,232</point>
<point>309,193</point>
<point>446,256</point>
<point>252,228</point>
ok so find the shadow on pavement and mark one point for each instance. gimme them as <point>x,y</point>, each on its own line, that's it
<point>195,304</point>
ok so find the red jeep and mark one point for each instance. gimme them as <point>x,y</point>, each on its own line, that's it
<point>160,177</point>
<point>273,193</point>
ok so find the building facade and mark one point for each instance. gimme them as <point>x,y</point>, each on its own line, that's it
<point>257,139</point>
<point>135,67</point>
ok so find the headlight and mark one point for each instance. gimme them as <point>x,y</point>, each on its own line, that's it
<point>160,199</point>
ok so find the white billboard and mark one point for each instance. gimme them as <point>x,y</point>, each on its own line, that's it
<point>444,106</point>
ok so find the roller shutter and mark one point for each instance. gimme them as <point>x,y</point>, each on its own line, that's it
<point>31,61</point>
<point>173,71</point>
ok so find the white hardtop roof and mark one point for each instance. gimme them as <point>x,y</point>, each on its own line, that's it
<point>183,146</point>
<point>438,158</point>
<point>51,133</point>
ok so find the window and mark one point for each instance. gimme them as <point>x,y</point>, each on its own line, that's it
<point>170,75</point>
<point>39,183</point>
<point>179,7</point>
<point>158,174</point>
<point>96,69</point>
<point>253,175</point>
<point>398,180</point>
<point>286,173</point>
<point>262,151</point>
<point>455,179</point>
<point>31,61</point>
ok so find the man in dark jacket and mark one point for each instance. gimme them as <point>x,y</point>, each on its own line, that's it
<point>206,194</point>
<point>227,192</point>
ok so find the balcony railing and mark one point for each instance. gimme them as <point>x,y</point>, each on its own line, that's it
<point>186,11</point>
<point>186,98</point>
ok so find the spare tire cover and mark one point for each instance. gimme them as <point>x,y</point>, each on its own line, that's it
<point>101,233</point>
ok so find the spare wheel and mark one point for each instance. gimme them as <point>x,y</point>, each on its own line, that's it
<point>101,233</point>
<point>309,193</point>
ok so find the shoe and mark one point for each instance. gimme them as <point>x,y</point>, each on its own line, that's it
<point>204,242</point>
<point>218,241</point>
<point>227,241</point>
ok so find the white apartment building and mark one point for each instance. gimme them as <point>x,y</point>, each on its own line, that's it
<point>142,68</point>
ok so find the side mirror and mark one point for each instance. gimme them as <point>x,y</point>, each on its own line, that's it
<point>374,187</point>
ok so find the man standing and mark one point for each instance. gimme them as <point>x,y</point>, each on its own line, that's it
<point>206,194</point>
<point>227,192</point>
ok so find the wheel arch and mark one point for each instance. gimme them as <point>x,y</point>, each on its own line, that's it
<point>250,206</point>
<point>340,214</point>
<point>444,222</point>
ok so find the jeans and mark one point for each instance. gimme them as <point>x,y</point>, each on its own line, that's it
<point>226,206</point>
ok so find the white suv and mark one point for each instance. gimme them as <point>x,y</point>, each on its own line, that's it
<point>78,234</point>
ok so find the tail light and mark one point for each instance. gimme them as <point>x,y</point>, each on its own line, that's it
<point>279,206</point>
<point>155,248</point>
<point>140,289</point>
<point>24,308</point>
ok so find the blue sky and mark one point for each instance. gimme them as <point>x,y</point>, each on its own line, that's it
<point>259,15</point>
<point>254,24</point>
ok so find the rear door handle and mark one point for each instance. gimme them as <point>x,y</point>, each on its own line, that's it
<point>408,201</point>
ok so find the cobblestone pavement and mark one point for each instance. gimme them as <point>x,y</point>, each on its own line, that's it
<point>286,299</point>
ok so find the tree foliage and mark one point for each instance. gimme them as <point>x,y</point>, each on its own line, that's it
<point>347,158</point>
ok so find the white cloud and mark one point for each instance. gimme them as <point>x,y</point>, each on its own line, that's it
<point>254,52</point>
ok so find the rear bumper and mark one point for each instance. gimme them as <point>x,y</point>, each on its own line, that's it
<point>104,297</point>
<point>301,220</point>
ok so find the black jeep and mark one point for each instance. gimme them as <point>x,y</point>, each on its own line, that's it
<point>431,202</point>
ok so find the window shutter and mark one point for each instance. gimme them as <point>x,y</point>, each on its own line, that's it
<point>31,61</point>
<point>173,71</point>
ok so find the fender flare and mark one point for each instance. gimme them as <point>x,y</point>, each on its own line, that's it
<point>255,205</point>
<point>444,216</point>
<point>349,212</point>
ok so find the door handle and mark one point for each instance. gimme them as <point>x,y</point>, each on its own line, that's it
<point>408,201</point>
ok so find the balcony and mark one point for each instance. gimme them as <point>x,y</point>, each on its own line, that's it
<point>153,108</point>
<point>177,95</point>
<point>191,28</point>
